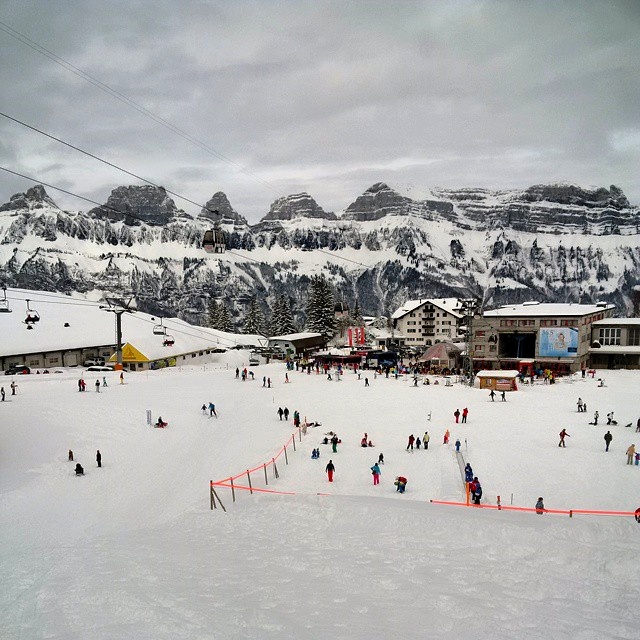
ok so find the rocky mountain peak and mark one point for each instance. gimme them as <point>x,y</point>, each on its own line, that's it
<point>34,198</point>
<point>147,203</point>
<point>376,202</point>
<point>574,195</point>
<point>298,205</point>
<point>226,213</point>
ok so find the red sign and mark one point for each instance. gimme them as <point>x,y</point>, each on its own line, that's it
<point>355,336</point>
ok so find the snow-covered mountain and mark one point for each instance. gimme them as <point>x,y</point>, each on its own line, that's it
<point>548,242</point>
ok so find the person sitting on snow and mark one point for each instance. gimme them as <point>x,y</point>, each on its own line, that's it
<point>79,470</point>
<point>401,483</point>
<point>160,424</point>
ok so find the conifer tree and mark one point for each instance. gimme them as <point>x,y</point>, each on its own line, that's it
<point>224,319</point>
<point>213,313</point>
<point>287,325</point>
<point>320,308</point>
<point>254,321</point>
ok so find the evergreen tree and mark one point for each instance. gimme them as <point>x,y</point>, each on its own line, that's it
<point>274,323</point>
<point>281,318</point>
<point>320,308</point>
<point>213,313</point>
<point>254,322</point>
<point>224,319</point>
<point>356,315</point>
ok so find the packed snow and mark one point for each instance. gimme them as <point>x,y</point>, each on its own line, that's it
<point>132,549</point>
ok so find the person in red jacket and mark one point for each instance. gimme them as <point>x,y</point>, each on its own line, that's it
<point>401,483</point>
<point>563,433</point>
<point>411,441</point>
<point>465,413</point>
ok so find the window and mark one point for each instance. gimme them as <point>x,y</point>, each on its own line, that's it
<point>411,330</point>
<point>479,347</point>
<point>634,337</point>
<point>568,323</point>
<point>609,336</point>
<point>507,323</point>
<point>480,334</point>
<point>34,363</point>
<point>492,347</point>
<point>54,360</point>
<point>412,315</point>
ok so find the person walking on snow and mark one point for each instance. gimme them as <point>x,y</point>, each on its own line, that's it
<point>631,452</point>
<point>280,412</point>
<point>2,393</point>
<point>456,413</point>
<point>465,413</point>
<point>446,437</point>
<point>503,396</point>
<point>563,433</point>
<point>492,395</point>
<point>425,439</point>
<point>330,469</point>
<point>99,458</point>
<point>607,439</point>
<point>104,381</point>
<point>457,445</point>
<point>286,413</point>
<point>98,386</point>
<point>212,410</point>
<point>410,444</point>
<point>334,443</point>
<point>375,470</point>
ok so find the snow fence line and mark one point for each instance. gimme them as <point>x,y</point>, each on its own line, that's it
<point>268,468</point>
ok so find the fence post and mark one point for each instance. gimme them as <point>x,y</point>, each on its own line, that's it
<point>266,481</point>
<point>211,498</point>
<point>300,432</point>
<point>293,439</point>
<point>571,513</point>
<point>249,479</point>
<point>275,469</point>
<point>286,459</point>
<point>499,505</point>
<point>213,493</point>
<point>233,491</point>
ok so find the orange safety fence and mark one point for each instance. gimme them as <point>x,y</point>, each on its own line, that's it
<point>566,512</point>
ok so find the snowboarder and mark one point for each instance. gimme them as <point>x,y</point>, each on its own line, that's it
<point>631,452</point>
<point>99,458</point>
<point>425,440</point>
<point>465,413</point>
<point>411,441</point>
<point>492,395</point>
<point>330,469</point>
<point>456,414</point>
<point>607,439</point>
<point>280,412</point>
<point>375,471</point>
<point>540,506</point>
<point>79,470</point>
<point>97,385</point>
<point>286,413</point>
<point>212,410</point>
<point>563,434</point>
<point>70,455</point>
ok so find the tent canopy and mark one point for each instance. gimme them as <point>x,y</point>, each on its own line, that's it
<point>442,351</point>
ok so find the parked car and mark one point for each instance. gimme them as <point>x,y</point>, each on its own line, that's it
<point>94,362</point>
<point>99,368</point>
<point>17,369</point>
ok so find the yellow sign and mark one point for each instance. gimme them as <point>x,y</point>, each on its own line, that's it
<point>131,354</point>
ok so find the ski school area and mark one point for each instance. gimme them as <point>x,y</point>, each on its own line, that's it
<point>149,522</point>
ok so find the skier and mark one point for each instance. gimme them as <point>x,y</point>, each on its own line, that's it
<point>286,414</point>
<point>212,410</point>
<point>160,424</point>
<point>375,471</point>
<point>99,458</point>
<point>98,386</point>
<point>476,490</point>
<point>330,469</point>
<point>79,470</point>
<point>465,413</point>
<point>607,439</point>
<point>418,442</point>
<point>280,412</point>
<point>468,473</point>
<point>411,441</point>
<point>268,383</point>
<point>334,443</point>
<point>237,373</point>
<point>401,483</point>
<point>638,426</point>
<point>457,445</point>
<point>631,451</point>
<point>540,506</point>
<point>79,384</point>
<point>563,433</point>
<point>492,395</point>
<point>121,377</point>
<point>456,413</point>
<point>425,440</point>
<point>264,381</point>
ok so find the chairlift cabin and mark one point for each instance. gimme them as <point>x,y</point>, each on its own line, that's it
<point>32,316</point>
<point>159,329</point>
<point>214,240</point>
<point>4,303</point>
<point>168,341</point>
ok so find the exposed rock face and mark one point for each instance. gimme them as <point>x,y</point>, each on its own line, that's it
<point>226,213</point>
<point>34,198</point>
<point>543,243</point>
<point>299,205</point>
<point>151,204</point>
<point>376,202</point>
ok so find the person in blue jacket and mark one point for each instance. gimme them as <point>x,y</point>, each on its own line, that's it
<point>375,470</point>
<point>457,446</point>
<point>468,473</point>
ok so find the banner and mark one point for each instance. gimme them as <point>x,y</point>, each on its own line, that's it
<point>558,342</point>
<point>355,336</point>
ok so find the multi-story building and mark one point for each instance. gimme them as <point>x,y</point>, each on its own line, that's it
<point>535,334</point>
<point>427,321</point>
<point>615,343</point>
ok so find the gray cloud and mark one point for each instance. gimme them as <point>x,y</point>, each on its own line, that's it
<point>327,97</point>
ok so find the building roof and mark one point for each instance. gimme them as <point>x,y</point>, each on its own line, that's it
<point>441,351</point>
<point>293,337</point>
<point>528,309</point>
<point>497,373</point>
<point>91,327</point>
<point>445,304</point>
<point>622,322</point>
<point>612,349</point>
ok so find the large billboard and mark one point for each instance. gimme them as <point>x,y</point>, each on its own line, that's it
<point>558,343</point>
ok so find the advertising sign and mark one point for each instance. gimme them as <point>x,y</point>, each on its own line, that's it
<point>355,336</point>
<point>558,342</point>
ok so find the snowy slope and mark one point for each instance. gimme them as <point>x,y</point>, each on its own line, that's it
<point>132,550</point>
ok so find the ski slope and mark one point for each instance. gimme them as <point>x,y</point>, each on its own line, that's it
<point>132,550</point>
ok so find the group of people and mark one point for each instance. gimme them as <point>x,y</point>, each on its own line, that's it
<point>457,414</point>
<point>79,469</point>
<point>492,395</point>
<point>475,488</point>
<point>417,442</point>
<point>365,442</point>
<point>82,385</point>
<point>13,386</point>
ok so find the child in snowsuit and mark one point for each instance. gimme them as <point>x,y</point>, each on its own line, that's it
<point>79,470</point>
<point>540,506</point>
<point>401,483</point>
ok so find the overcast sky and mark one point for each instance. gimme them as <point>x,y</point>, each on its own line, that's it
<point>323,97</point>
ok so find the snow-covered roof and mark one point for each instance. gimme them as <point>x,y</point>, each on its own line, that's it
<point>446,304</point>
<point>497,373</point>
<point>623,322</point>
<point>292,337</point>
<point>90,326</point>
<point>615,349</point>
<point>528,309</point>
